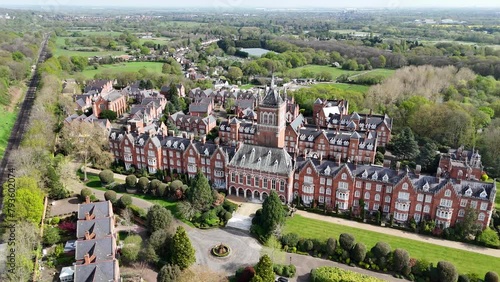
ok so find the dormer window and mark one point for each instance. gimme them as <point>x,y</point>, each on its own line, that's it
<point>175,144</point>
<point>327,170</point>
<point>385,178</point>
<point>206,152</point>
<point>405,186</point>
<point>375,176</point>
<point>310,138</point>
<point>483,194</point>
<point>182,146</point>
<point>468,192</point>
<point>365,174</point>
<point>426,187</point>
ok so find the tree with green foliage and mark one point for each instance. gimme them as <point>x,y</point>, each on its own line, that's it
<point>264,270</point>
<point>84,193</point>
<point>158,217</point>
<point>446,272</point>
<point>25,202</point>
<point>200,194</point>
<point>468,225</point>
<point>131,181</point>
<point>381,250</point>
<point>51,236</point>
<point>234,73</point>
<point>110,195</point>
<point>427,156</point>
<point>55,187</point>
<point>131,248</point>
<point>107,176</point>
<point>290,239</point>
<point>169,273</point>
<point>273,214</point>
<point>350,65</point>
<point>109,115</point>
<point>404,145</point>
<point>183,250</point>
<point>489,238</point>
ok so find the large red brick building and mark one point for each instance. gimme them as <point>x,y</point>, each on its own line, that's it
<point>319,166</point>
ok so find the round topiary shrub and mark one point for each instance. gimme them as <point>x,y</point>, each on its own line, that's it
<point>358,253</point>
<point>401,259</point>
<point>347,241</point>
<point>110,195</point>
<point>106,176</point>
<point>125,201</point>
<point>55,220</point>
<point>142,185</point>
<point>381,250</point>
<point>446,272</point>
<point>84,193</point>
<point>131,181</point>
<point>227,216</point>
<point>491,276</point>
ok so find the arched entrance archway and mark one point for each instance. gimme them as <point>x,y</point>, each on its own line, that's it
<point>264,196</point>
<point>248,193</point>
<point>241,192</point>
<point>256,195</point>
<point>232,190</point>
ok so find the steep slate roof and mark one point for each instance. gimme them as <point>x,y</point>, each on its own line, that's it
<point>267,160</point>
<point>99,209</point>
<point>103,249</point>
<point>373,121</point>
<point>96,272</point>
<point>297,122</point>
<point>341,138</point>
<point>272,98</point>
<point>101,227</point>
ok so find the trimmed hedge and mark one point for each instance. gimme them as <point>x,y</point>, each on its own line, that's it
<point>328,274</point>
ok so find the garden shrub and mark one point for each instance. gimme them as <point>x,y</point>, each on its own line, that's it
<point>290,239</point>
<point>491,276</point>
<point>328,274</point>
<point>131,181</point>
<point>107,176</point>
<point>358,253</point>
<point>347,241</point>
<point>446,272</point>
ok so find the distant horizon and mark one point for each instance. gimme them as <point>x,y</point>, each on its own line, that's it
<point>256,4</point>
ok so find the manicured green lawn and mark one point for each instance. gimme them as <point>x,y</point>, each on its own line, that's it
<point>466,262</point>
<point>7,120</point>
<point>336,72</point>
<point>90,72</point>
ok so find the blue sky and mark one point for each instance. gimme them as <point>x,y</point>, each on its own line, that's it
<point>263,3</point>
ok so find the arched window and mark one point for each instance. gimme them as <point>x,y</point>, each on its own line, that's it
<point>328,191</point>
<point>377,197</point>
<point>418,207</point>
<point>405,186</point>
<point>265,119</point>
<point>447,193</point>
<point>427,209</point>
<point>357,194</point>
<point>367,196</point>
<point>321,190</point>
<point>344,176</point>
<point>308,170</point>
<point>481,217</point>
<point>387,199</point>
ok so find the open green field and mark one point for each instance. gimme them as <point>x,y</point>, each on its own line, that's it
<point>90,72</point>
<point>466,262</point>
<point>60,51</point>
<point>432,42</point>
<point>7,120</point>
<point>181,24</point>
<point>336,72</point>
<point>351,87</point>
<point>156,40</point>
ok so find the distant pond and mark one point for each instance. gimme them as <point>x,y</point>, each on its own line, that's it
<point>255,51</point>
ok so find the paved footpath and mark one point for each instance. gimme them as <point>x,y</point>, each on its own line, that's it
<point>405,234</point>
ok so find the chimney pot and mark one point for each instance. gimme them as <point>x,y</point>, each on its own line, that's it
<point>87,199</point>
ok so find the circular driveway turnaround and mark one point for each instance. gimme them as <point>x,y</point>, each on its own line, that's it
<point>245,250</point>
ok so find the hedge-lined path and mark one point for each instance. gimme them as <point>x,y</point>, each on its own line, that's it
<point>404,234</point>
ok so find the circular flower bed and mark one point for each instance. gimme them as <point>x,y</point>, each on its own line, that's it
<point>221,250</point>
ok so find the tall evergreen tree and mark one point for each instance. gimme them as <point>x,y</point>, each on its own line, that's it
<point>427,156</point>
<point>200,195</point>
<point>404,144</point>
<point>273,214</point>
<point>183,253</point>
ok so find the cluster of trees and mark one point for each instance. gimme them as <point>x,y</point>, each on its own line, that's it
<point>204,206</point>
<point>168,250</point>
<point>379,258</point>
<point>18,51</point>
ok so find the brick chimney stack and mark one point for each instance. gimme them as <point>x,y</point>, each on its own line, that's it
<point>418,169</point>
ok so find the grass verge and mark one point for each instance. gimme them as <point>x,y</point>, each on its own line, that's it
<point>464,261</point>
